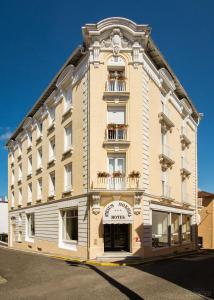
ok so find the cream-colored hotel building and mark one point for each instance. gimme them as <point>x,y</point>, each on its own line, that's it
<point>106,160</point>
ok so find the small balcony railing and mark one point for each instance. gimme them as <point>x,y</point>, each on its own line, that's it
<point>166,191</point>
<point>116,132</point>
<point>116,183</point>
<point>115,86</point>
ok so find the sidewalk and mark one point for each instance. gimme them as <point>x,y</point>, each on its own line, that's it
<point>112,263</point>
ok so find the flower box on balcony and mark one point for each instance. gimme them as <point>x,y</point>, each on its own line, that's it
<point>114,126</point>
<point>118,174</point>
<point>103,175</point>
<point>134,174</point>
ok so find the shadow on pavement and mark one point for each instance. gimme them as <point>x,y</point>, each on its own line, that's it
<point>122,288</point>
<point>194,272</point>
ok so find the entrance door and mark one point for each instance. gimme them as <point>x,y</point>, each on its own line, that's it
<point>116,237</point>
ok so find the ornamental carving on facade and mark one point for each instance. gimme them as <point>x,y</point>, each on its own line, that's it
<point>116,41</point>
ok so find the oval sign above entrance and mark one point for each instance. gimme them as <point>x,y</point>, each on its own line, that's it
<point>118,212</point>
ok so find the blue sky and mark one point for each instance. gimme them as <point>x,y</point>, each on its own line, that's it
<point>38,36</point>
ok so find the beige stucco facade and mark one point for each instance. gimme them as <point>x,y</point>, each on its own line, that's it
<point>148,164</point>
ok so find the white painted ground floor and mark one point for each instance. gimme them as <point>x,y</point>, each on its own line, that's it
<point>94,225</point>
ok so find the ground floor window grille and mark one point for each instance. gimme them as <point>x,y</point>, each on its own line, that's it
<point>70,224</point>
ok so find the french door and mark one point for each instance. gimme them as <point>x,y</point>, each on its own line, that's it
<point>116,166</point>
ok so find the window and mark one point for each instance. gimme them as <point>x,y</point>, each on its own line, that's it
<point>175,229</point>
<point>116,81</point>
<point>52,184</point>
<point>165,187</point>
<point>68,178</point>
<point>117,169</point>
<point>30,165</point>
<point>68,137</point>
<point>29,139</point>
<point>68,98</point>
<point>70,225</point>
<point>12,199</point>
<point>39,189</point>
<point>12,157</point>
<point>30,225</point>
<point>39,158</point>
<point>20,196</point>
<point>29,192</point>
<point>39,129</point>
<point>160,229</point>
<point>52,149</point>
<point>186,228</point>
<point>20,172</point>
<point>12,177</point>
<point>19,150</point>
<point>51,114</point>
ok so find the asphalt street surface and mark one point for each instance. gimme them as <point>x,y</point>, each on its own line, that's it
<point>32,276</point>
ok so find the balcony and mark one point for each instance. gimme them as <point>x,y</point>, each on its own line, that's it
<point>113,183</point>
<point>185,137</point>
<point>166,157</point>
<point>165,119</point>
<point>116,134</point>
<point>116,89</point>
<point>185,168</point>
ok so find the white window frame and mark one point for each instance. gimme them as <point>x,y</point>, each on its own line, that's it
<point>39,158</point>
<point>39,189</point>
<point>20,196</point>
<point>20,172</point>
<point>66,244</point>
<point>67,146</point>
<point>52,114</point>
<point>12,177</point>
<point>30,162</point>
<point>39,128</point>
<point>29,192</point>
<point>12,199</point>
<point>52,152</point>
<point>29,236</point>
<point>67,100</point>
<point>67,186</point>
<point>52,187</point>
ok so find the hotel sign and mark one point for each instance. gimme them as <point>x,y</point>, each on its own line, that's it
<point>118,212</point>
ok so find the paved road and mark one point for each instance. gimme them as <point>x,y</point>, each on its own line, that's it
<point>31,276</point>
